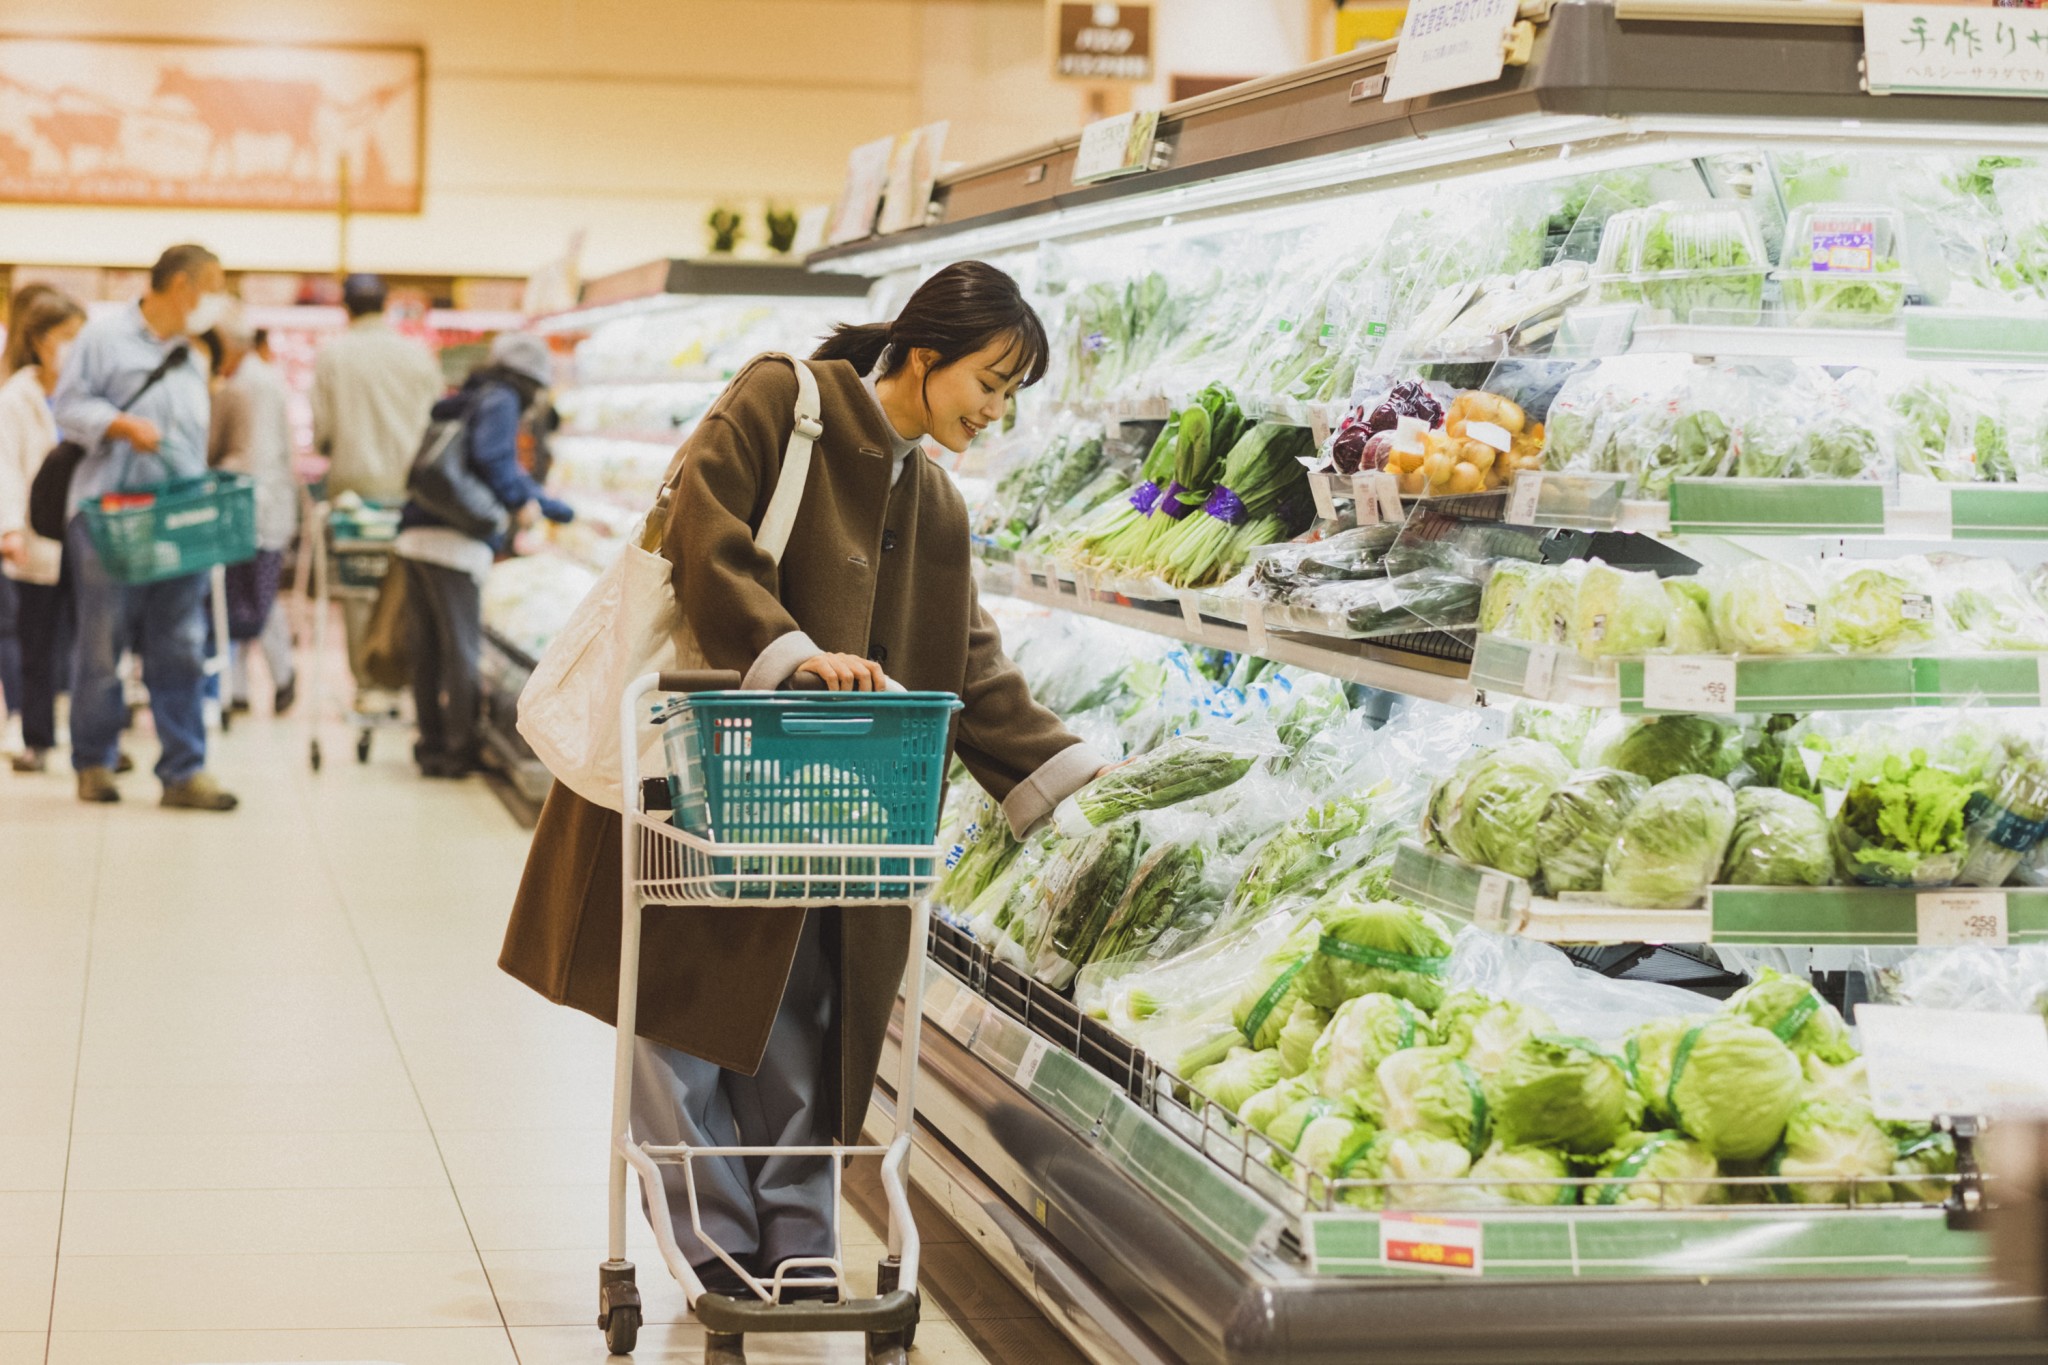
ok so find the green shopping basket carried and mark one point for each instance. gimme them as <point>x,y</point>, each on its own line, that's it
<point>174,528</point>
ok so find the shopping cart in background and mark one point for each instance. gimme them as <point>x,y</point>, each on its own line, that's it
<point>779,802</point>
<point>349,550</point>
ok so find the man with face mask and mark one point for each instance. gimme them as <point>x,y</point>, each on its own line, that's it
<point>131,441</point>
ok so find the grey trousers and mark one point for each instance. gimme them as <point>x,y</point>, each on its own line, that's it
<point>770,1208</point>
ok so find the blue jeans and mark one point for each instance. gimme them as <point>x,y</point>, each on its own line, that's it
<point>167,620</point>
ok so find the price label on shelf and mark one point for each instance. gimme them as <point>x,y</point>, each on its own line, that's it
<point>1319,423</point>
<point>1928,1062</point>
<point>1255,627</point>
<point>955,1018</point>
<point>1522,501</point>
<point>1190,614</point>
<point>1420,1241</point>
<point>1539,675</point>
<point>1682,682</point>
<point>1490,905</point>
<point>1323,488</point>
<point>1960,916</point>
<point>1034,1057</point>
<point>1380,490</point>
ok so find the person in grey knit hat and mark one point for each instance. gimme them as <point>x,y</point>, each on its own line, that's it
<point>525,354</point>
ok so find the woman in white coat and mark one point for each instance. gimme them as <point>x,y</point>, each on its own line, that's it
<point>40,331</point>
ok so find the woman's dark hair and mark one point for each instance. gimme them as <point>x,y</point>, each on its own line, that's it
<point>965,307</point>
<point>35,317</point>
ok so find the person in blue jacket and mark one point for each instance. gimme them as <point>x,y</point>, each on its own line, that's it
<point>445,568</point>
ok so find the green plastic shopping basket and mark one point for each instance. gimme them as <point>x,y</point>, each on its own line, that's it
<point>817,768</point>
<point>170,529</point>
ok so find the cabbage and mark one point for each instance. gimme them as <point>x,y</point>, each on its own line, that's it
<point>1555,1091</point>
<point>1298,1037</point>
<point>1484,1031</point>
<point>1876,610</point>
<point>1238,1077</point>
<point>1848,1081</point>
<point>1670,846</point>
<point>1641,1162</point>
<point>1259,1112</point>
<point>1378,946</point>
<point>1487,809</point>
<point>1796,1015</point>
<point>1923,1153</point>
<point>1527,1175</point>
<point>1364,1032</point>
<point>1543,616</point>
<point>1506,585</point>
<point>1564,726</point>
<point>1579,825</point>
<point>1827,1144</point>
<point>1663,747</point>
<point>1764,607</point>
<point>1723,1080</point>
<point>1265,1002</point>
<point>1689,625</point>
<point>1333,1141</point>
<point>1779,840</point>
<point>1617,612</point>
<point>1400,1157</point>
<point>1432,1090</point>
<point>1287,1127</point>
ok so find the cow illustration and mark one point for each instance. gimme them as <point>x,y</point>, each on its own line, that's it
<point>73,130</point>
<point>233,107</point>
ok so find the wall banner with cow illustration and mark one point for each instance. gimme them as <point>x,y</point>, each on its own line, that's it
<point>219,125</point>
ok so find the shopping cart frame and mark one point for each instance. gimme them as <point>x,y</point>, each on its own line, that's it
<point>661,864</point>
<point>316,555</point>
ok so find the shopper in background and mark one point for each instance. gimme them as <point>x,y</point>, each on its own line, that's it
<point>445,569</point>
<point>252,435</point>
<point>372,391</point>
<point>42,325</point>
<point>766,1030</point>
<point>131,440</point>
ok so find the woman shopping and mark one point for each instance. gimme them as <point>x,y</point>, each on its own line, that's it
<point>39,333</point>
<point>765,1029</point>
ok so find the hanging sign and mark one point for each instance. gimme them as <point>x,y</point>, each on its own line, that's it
<point>1928,1062</point>
<point>1104,42</point>
<point>1120,145</point>
<point>1955,50</point>
<point>1449,44</point>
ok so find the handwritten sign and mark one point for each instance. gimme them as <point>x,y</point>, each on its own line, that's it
<point>1955,50</point>
<point>1449,44</point>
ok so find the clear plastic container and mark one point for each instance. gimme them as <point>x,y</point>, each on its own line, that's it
<point>2006,824</point>
<point>1686,262</point>
<point>1841,267</point>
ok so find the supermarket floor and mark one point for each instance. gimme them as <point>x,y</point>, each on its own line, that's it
<point>264,1095</point>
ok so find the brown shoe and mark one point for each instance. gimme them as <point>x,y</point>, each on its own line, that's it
<point>201,791</point>
<point>97,784</point>
<point>32,760</point>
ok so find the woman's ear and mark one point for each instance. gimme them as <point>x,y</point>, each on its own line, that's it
<point>922,361</point>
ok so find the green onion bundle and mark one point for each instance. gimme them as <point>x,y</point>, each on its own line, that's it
<point>1261,497</point>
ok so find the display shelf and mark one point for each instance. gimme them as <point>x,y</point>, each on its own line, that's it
<point>1831,508</point>
<point>503,669</point>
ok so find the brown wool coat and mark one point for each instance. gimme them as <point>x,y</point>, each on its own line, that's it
<point>872,570</point>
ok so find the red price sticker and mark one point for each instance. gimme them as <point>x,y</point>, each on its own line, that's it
<point>1423,1242</point>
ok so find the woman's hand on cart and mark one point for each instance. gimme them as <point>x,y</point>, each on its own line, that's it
<point>845,672</point>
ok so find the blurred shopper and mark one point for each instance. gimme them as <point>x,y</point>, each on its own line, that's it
<point>135,431</point>
<point>445,568</point>
<point>41,327</point>
<point>252,435</point>
<point>372,391</point>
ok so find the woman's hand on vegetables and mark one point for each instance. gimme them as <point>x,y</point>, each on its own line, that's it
<point>845,672</point>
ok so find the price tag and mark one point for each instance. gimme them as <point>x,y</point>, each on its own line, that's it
<point>1319,422</point>
<point>1365,502</point>
<point>1928,1062</point>
<point>1034,1057</point>
<point>1379,489</point>
<point>1960,916</point>
<point>1119,145</point>
<point>1522,502</point>
<point>1490,906</point>
<point>1255,628</point>
<point>1689,682</point>
<point>1421,1241</point>
<point>1539,676</point>
<point>1322,486</point>
<point>1190,614</point>
<point>1490,433</point>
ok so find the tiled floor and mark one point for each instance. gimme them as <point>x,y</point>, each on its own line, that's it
<point>264,1095</point>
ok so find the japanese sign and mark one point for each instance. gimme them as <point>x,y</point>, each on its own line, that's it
<point>1928,1062</point>
<point>1447,44</point>
<point>1105,42</point>
<point>1955,50</point>
<point>1119,145</point>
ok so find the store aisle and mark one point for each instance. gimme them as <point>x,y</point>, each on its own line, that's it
<point>264,1095</point>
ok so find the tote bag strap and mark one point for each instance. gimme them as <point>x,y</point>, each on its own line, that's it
<point>780,519</point>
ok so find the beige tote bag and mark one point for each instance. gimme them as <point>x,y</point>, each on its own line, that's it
<point>628,624</point>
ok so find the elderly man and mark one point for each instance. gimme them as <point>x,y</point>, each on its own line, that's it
<point>134,396</point>
<point>252,435</point>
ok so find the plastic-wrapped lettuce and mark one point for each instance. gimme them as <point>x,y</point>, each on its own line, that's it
<point>1779,840</point>
<point>1796,1015</point>
<point>1875,608</point>
<point>1238,1077</point>
<point>1657,1170</point>
<point>1847,1081</point>
<point>1617,612</point>
<point>1484,1031</point>
<point>1833,1148</point>
<point>1487,809</point>
<point>1670,846</point>
<point>1288,1127</point>
<point>1415,1167</point>
<point>1265,1002</point>
<point>1764,607</point>
<point>1332,1142</point>
<point>1689,622</point>
<point>1660,748</point>
<point>1564,726</point>
<point>1543,615</point>
<point>1985,603</point>
<point>1522,1175</point>
<point>1580,823</point>
<point>1300,856</point>
<point>1363,1033</point>
<point>1722,1080</point>
<point>1379,946</point>
<point>1905,824</point>
<point>1920,1157</point>
<point>1305,1024</point>
<point>1434,1090</point>
<point>1506,585</point>
<point>1259,1112</point>
<point>1555,1091</point>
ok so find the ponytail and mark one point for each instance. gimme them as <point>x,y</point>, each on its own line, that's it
<point>859,344</point>
<point>963,309</point>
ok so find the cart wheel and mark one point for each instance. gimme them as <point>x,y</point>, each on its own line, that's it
<point>622,1330</point>
<point>885,1348</point>
<point>314,754</point>
<point>723,1349</point>
<point>363,747</point>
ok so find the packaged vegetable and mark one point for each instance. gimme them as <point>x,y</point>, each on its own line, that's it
<point>1984,603</point>
<point>1166,883</point>
<point>1688,622</point>
<point>1905,825</point>
<point>1831,1152</point>
<point>1259,1112</point>
<point>1434,1090</point>
<point>1794,1013</point>
<point>1657,1170</point>
<point>1721,1079</point>
<point>1330,1144</point>
<point>1506,584</point>
<point>1564,727</point>
<point>1555,1091</point>
<point>1580,824</point>
<point>1870,608</point>
<point>1484,1031</point>
<point>2007,822</point>
<point>1687,261</point>
<point>1237,1078</point>
<point>1659,748</point>
<point>1365,1031</point>
<point>1670,846</point>
<point>1182,768</point>
<point>1780,840</point>
<point>1081,886</point>
<point>1487,810</point>
<point>1265,1002</point>
<point>1764,607</point>
<point>1379,946</point>
<point>1427,599</point>
<point>1617,612</point>
<point>1841,266</point>
<point>1523,1175</point>
<point>1920,1158</point>
<point>1298,1037</point>
<point>1417,1171</point>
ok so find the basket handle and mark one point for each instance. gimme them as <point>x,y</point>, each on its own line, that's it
<point>699,680</point>
<point>827,725</point>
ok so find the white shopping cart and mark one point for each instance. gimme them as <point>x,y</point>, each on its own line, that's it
<point>349,546</point>
<point>858,776</point>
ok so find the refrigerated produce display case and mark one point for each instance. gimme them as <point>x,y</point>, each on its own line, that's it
<point>1566,558</point>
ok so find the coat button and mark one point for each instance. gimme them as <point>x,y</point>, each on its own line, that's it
<point>888,540</point>
<point>878,653</point>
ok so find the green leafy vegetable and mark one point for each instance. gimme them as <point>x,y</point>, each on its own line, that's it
<point>1722,1080</point>
<point>1580,823</point>
<point>1670,846</point>
<point>1780,840</point>
<point>1379,946</point>
<point>1563,1092</point>
<point>1488,809</point>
